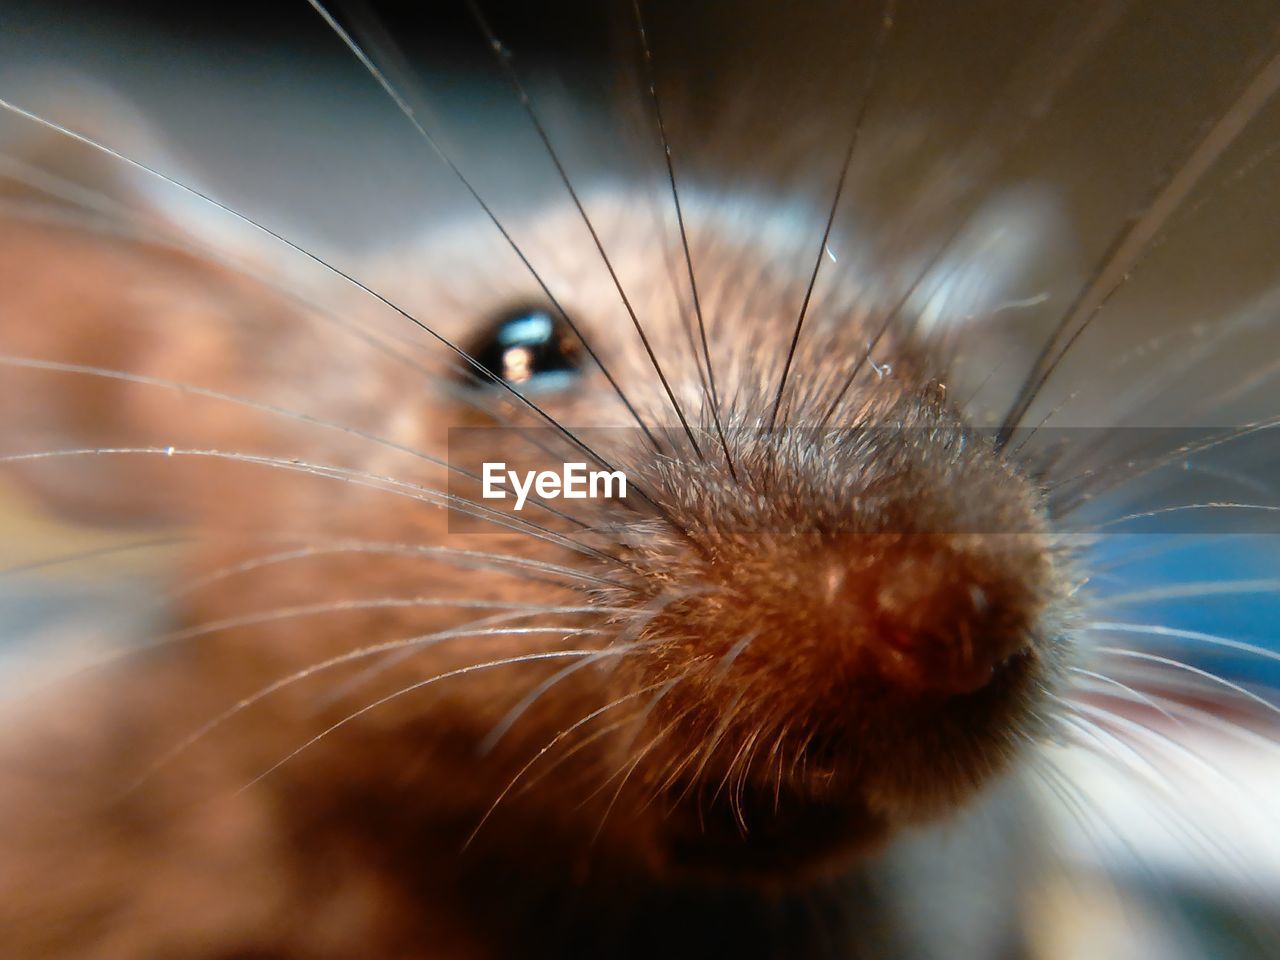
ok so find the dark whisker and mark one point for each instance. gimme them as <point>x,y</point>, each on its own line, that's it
<point>1135,240</point>
<point>860,115</point>
<point>1092,482</point>
<point>652,82</point>
<point>348,278</point>
<point>407,110</point>
<point>503,56</point>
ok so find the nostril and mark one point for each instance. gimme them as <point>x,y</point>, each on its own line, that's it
<point>942,622</point>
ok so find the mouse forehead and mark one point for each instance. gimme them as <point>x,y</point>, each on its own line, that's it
<point>625,283</point>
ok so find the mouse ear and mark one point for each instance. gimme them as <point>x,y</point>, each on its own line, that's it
<point>109,308</point>
<point>985,301</point>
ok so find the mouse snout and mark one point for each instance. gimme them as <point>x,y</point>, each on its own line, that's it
<point>857,631</point>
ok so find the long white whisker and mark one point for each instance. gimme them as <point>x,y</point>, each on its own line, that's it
<point>1183,591</point>
<point>1129,692</point>
<point>485,627</point>
<point>1159,630</point>
<point>413,687</point>
<point>512,564</point>
<point>275,615</point>
<point>514,714</point>
<point>566,732</point>
<point>1185,508</point>
<point>1196,671</point>
<point>480,369</point>
<point>360,478</point>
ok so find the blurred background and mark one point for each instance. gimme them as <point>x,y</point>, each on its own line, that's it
<point>1006,147</point>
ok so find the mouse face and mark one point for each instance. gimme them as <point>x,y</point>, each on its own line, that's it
<point>849,618</point>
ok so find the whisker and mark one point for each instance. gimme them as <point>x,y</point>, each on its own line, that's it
<point>623,775</point>
<point>483,627</point>
<point>638,724</point>
<point>107,373</point>
<point>1162,741</point>
<point>1193,670</point>
<point>1159,630</point>
<point>732,654</point>
<point>566,732</point>
<point>123,223</point>
<point>860,115</point>
<point>1117,753</point>
<point>1213,721</point>
<point>92,554</point>
<point>1130,693</point>
<point>384,484</point>
<point>195,390</point>
<point>1137,469</point>
<point>651,79</point>
<point>411,115</point>
<point>1230,854</point>
<point>280,614</point>
<point>885,324</point>
<point>1134,242</point>
<point>1189,358</point>
<point>348,278</point>
<point>729,716</point>
<point>644,616</point>
<point>413,687</point>
<point>1065,49</point>
<point>1073,800</point>
<point>119,212</point>
<point>1183,591</point>
<point>516,712</point>
<point>260,618</point>
<point>482,559</point>
<point>504,58</point>
<point>1166,543</point>
<point>1124,752</point>
<point>1184,508</point>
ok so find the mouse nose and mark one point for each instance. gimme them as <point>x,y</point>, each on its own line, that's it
<point>937,614</point>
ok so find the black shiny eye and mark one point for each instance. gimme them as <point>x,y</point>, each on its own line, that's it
<point>530,349</point>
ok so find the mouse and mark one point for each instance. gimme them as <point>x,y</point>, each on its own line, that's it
<point>422,689</point>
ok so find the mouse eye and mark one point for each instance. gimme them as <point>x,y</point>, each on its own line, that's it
<point>530,349</point>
